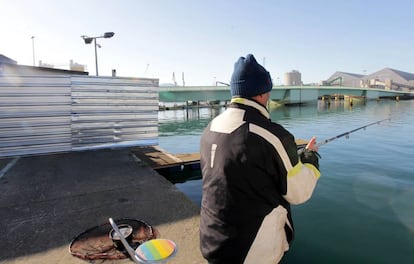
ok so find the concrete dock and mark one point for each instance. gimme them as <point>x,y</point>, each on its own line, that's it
<point>47,200</point>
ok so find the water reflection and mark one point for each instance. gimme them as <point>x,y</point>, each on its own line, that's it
<point>179,130</point>
<point>198,117</point>
<point>186,121</point>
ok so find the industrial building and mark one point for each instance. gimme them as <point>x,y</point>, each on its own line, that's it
<point>387,79</point>
<point>343,79</point>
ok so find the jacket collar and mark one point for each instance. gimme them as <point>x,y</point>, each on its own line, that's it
<point>251,103</point>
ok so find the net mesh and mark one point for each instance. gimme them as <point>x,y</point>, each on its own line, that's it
<point>96,246</point>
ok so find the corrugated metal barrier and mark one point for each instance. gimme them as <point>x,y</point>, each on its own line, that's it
<point>47,114</point>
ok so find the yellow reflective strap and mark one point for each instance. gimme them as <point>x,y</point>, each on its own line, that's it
<point>295,170</point>
<point>238,100</point>
<point>314,169</point>
<point>298,167</point>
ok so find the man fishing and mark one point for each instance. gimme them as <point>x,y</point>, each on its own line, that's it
<point>252,172</point>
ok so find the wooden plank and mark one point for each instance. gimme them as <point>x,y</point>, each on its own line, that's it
<point>300,141</point>
<point>158,158</point>
<point>189,157</point>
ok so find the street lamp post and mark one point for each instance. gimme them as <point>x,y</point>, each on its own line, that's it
<point>34,64</point>
<point>88,40</point>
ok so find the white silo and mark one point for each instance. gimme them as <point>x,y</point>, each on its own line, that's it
<point>293,78</point>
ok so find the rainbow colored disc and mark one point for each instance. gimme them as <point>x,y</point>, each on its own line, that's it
<point>156,249</point>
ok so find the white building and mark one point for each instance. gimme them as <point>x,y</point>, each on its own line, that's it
<point>293,78</point>
<point>9,66</point>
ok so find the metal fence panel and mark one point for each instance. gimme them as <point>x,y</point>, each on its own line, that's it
<point>112,112</point>
<point>34,114</point>
<point>46,114</point>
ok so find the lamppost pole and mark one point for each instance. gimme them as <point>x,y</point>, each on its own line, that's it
<point>96,58</point>
<point>88,40</point>
<point>34,64</point>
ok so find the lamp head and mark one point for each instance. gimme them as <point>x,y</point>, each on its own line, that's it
<point>109,34</point>
<point>87,39</point>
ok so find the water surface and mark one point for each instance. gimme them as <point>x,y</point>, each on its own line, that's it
<point>362,210</point>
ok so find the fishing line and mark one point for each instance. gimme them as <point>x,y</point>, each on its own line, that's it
<point>345,134</point>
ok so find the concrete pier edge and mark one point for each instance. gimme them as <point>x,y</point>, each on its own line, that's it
<point>47,200</point>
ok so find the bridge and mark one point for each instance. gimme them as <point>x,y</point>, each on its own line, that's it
<point>281,94</point>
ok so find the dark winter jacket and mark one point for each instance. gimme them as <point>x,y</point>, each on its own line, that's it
<point>251,173</point>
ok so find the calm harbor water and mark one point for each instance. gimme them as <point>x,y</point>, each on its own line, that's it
<point>362,210</point>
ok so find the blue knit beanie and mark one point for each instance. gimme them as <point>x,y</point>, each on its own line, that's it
<point>249,78</point>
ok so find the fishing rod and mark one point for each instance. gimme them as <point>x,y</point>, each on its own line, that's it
<point>345,134</point>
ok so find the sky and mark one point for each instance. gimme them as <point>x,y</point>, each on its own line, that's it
<point>203,39</point>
